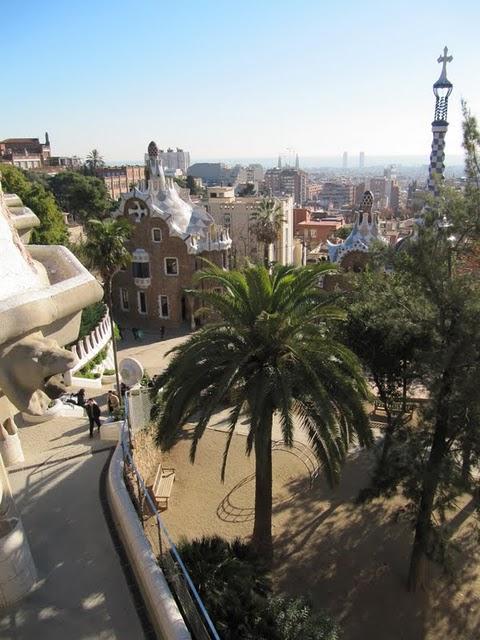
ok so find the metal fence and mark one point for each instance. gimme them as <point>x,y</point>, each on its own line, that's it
<point>178,578</point>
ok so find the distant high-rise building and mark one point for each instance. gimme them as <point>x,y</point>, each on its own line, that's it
<point>279,163</point>
<point>361,160</point>
<point>442,90</point>
<point>336,194</point>
<point>345,160</point>
<point>173,160</point>
<point>297,162</point>
<point>281,182</point>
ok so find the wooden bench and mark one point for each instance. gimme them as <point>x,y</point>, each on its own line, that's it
<point>162,485</point>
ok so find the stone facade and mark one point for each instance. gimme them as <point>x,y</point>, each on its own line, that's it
<point>44,289</point>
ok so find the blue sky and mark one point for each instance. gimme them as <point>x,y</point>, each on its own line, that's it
<point>227,79</point>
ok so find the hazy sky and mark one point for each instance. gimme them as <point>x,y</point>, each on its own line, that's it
<point>229,78</point>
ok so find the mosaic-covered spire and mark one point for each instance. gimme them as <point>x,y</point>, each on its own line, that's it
<point>442,90</point>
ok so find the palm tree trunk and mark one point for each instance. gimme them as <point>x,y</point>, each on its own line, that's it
<point>108,288</point>
<point>266,254</point>
<point>262,528</point>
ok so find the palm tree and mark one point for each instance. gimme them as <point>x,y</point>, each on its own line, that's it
<point>268,350</point>
<point>267,222</point>
<point>106,252</point>
<point>94,161</point>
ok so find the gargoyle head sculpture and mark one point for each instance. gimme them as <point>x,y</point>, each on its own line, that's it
<point>30,372</point>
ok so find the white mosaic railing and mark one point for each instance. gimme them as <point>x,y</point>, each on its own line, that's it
<point>89,346</point>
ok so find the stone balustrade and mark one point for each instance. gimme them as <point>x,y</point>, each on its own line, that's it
<point>89,346</point>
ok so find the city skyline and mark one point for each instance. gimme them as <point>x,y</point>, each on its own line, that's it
<point>354,86</point>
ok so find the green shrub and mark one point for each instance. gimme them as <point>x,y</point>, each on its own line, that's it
<point>235,587</point>
<point>91,316</point>
<point>100,357</point>
<point>118,413</point>
<point>86,369</point>
<point>88,374</point>
<point>109,372</point>
<point>233,584</point>
<point>295,620</point>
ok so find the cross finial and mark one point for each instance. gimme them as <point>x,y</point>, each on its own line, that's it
<point>445,58</point>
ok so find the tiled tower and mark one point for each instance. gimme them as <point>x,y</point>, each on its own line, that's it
<point>442,90</point>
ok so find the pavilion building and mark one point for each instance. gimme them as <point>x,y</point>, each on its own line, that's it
<point>351,254</point>
<point>171,235</point>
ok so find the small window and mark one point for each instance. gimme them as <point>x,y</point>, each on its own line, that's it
<point>156,234</point>
<point>124,300</point>
<point>171,266</point>
<point>142,302</point>
<point>141,269</point>
<point>163,307</point>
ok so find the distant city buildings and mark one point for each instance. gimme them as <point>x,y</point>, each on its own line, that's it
<point>26,153</point>
<point>361,160</point>
<point>31,154</point>
<point>314,189</point>
<point>314,229</point>
<point>119,180</point>
<point>385,190</point>
<point>280,182</point>
<point>345,160</point>
<point>235,214</point>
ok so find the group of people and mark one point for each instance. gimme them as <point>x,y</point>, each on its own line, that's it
<point>91,407</point>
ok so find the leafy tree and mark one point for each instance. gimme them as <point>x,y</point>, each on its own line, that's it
<point>386,329</point>
<point>106,252</point>
<point>268,349</point>
<point>441,267</point>
<point>267,223</point>
<point>52,229</point>
<point>343,232</point>
<point>84,196</point>
<point>295,620</point>
<point>94,161</point>
<point>248,190</point>
<point>192,185</point>
<point>182,182</point>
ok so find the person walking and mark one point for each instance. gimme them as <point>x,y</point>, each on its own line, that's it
<point>113,401</point>
<point>162,332</point>
<point>81,398</point>
<point>93,413</point>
